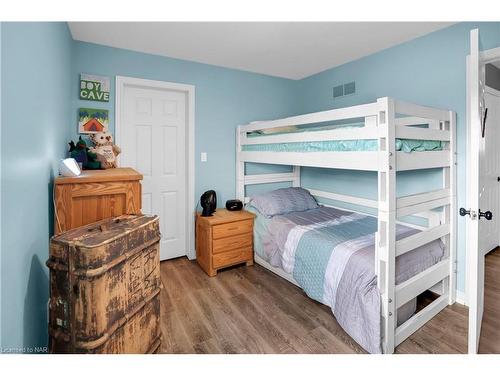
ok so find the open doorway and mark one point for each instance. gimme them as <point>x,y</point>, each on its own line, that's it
<point>489,241</point>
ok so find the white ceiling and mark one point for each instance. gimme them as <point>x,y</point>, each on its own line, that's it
<point>288,49</point>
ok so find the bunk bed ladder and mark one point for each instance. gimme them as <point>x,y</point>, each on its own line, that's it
<point>439,278</point>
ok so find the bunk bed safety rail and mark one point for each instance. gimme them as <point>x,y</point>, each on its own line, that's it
<point>358,111</point>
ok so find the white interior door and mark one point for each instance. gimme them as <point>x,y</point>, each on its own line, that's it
<point>474,187</point>
<point>489,163</point>
<point>153,136</point>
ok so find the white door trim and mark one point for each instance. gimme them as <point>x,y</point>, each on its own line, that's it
<point>485,57</point>
<point>120,83</point>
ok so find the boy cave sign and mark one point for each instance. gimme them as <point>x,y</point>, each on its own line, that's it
<point>94,88</point>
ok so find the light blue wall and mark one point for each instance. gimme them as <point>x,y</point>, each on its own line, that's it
<point>225,98</point>
<point>430,71</point>
<point>36,104</point>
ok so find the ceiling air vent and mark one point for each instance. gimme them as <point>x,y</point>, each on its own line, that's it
<point>344,90</point>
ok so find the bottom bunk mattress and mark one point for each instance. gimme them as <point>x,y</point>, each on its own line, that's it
<point>330,254</point>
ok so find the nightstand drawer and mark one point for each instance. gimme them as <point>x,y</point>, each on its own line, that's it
<point>232,257</point>
<point>231,229</point>
<point>231,243</point>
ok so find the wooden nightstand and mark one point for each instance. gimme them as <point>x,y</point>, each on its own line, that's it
<point>224,239</point>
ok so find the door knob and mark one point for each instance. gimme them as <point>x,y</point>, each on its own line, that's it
<point>487,215</point>
<point>464,212</point>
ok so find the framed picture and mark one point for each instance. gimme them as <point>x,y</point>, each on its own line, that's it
<point>94,87</point>
<point>91,120</point>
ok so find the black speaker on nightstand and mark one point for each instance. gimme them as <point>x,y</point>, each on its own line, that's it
<point>234,205</point>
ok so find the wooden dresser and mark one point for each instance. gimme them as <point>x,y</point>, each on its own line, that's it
<point>224,239</point>
<point>95,195</point>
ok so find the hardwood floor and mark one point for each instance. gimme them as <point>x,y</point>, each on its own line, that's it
<point>490,329</point>
<point>251,310</point>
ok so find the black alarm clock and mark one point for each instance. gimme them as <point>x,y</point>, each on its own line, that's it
<point>234,205</point>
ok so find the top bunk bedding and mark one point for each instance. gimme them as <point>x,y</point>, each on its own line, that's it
<point>405,145</point>
<point>330,254</point>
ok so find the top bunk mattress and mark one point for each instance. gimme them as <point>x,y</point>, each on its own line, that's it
<point>330,254</point>
<point>405,145</point>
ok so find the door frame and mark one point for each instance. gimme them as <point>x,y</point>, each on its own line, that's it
<point>485,57</point>
<point>189,90</point>
<point>494,92</point>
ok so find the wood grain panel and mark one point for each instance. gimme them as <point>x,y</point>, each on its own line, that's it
<point>232,243</point>
<point>99,188</point>
<point>91,208</point>
<point>77,212</point>
<point>229,258</point>
<point>96,195</point>
<point>232,229</point>
<point>204,246</point>
<point>63,208</point>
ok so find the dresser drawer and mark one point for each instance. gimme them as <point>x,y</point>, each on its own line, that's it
<point>232,257</point>
<point>231,229</point>
<point>232,243</point>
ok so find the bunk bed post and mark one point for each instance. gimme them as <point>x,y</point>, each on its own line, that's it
<point>240,168</point>
<point>450,175</point>
<point>386,237</point>
<point>296,176</point>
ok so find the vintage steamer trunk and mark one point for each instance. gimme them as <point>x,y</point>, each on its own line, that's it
<point>105,287</point>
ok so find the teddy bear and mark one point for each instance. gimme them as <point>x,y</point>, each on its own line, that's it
<point>105,150</point>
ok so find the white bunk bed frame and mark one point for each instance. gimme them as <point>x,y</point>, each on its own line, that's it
<point>385,120</point>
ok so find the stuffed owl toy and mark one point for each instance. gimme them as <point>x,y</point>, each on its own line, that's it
<point>105,150</point>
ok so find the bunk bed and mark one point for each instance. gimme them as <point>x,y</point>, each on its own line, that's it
<point>386,136</point>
